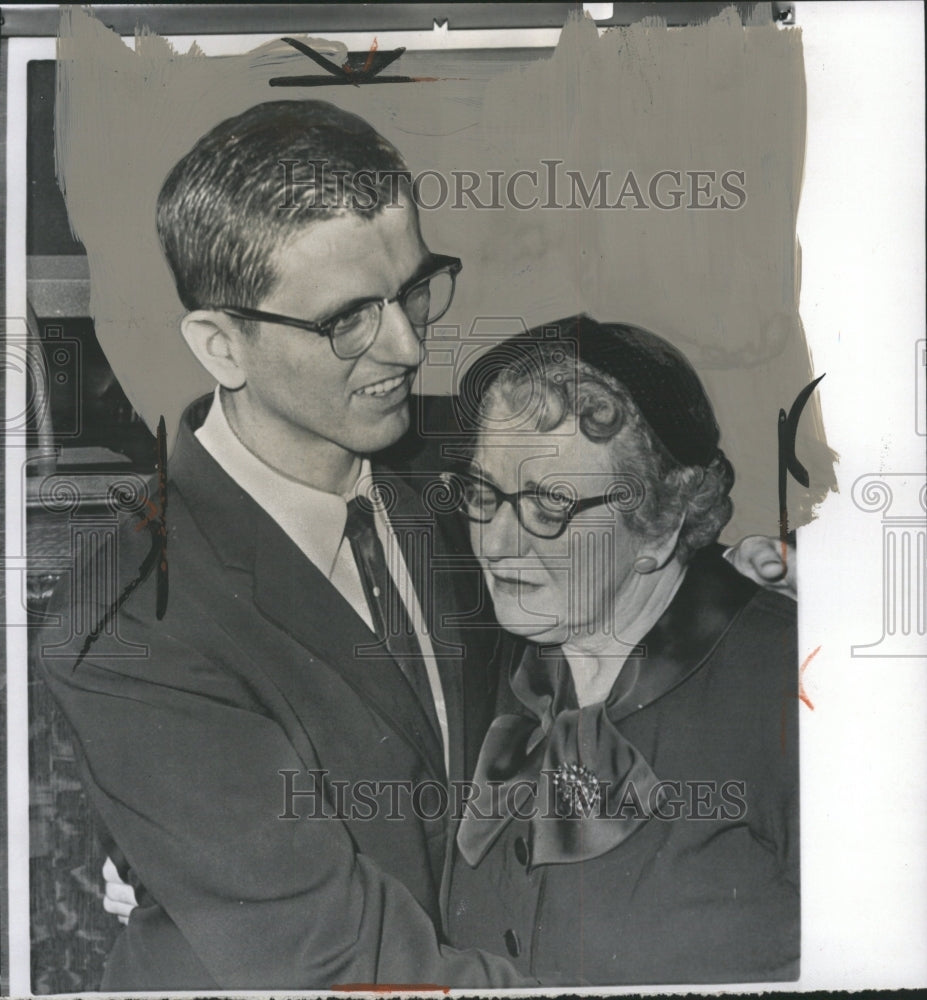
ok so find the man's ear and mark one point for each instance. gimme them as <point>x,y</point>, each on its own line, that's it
<point>215,338</point>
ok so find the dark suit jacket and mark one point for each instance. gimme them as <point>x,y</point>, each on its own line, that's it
<point>190,726</point>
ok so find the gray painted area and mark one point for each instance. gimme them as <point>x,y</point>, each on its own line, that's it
<point>720,283</point>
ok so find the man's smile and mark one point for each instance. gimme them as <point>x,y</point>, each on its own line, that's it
<point>385,386</point>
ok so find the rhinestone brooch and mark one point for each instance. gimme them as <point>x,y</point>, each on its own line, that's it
<point>577,789</point>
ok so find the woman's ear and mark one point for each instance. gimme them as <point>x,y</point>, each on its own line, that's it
<point>655,555</point>
<point>215,338</point>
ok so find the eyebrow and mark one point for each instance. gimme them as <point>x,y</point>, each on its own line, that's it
<point>357,303</point>
<point>474,473</point>
<point>529,487</point>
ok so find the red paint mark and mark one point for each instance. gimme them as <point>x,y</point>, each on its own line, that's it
<point>373,49</point>
<point>801,670</point>
<point>158,512</point>
<point>153,512</point>
<point>157,554</point>
<point>390,988</point>
<point>346,66</point>
<point>801,695</point>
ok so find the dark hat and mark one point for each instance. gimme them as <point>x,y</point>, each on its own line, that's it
<point>658,377</point>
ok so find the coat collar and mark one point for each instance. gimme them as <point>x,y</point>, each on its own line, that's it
<point>710,597</point>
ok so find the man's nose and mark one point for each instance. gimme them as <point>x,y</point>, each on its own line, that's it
<point>398,342</point>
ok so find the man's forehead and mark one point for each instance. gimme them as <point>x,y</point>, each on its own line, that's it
<point>350,254</point>
<point>348,233</point>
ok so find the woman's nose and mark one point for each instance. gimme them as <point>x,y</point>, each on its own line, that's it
<point>498,538</point>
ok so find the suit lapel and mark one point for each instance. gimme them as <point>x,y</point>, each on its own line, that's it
<point>458,613</point>
<point>292,593</point>
<point>464,635</point>
<point>423,550</point>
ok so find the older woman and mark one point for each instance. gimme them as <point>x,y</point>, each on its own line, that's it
<point>635,815</point>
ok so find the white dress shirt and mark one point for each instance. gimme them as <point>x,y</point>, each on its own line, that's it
<point>315,522</point>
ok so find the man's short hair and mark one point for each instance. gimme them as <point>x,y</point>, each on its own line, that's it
<point>255,180</point>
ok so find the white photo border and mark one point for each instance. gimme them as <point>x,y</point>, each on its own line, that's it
<point>864,745</point>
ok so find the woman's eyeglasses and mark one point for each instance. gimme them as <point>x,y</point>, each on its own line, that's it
<point>543,513</point>
<point>425,299</point>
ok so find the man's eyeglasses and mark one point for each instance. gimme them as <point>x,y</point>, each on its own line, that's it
<point>425,298</point>
<point>543,513</point>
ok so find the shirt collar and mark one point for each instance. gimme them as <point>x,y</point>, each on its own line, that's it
<point>312,518</point>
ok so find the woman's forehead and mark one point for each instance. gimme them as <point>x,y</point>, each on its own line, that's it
<point>507,455</point>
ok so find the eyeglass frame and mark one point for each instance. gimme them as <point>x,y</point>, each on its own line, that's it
<point>576,507</point>
<point>325,328</point>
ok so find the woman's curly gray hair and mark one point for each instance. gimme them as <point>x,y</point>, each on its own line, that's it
<point>551,388</point>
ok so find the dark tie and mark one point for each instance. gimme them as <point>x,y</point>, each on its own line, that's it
<point>391,621</point>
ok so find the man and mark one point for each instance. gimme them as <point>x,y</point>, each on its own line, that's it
<point>269,693</point>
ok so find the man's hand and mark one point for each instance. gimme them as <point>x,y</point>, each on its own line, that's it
<point>120,897</point>
<point>760,558</point>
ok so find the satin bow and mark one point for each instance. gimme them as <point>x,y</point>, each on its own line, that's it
<point>583,787</point>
